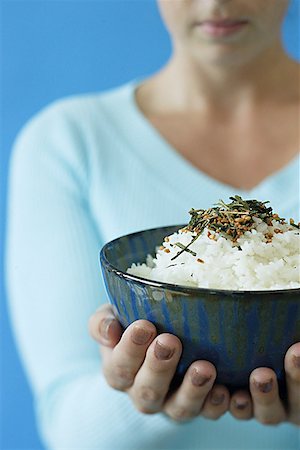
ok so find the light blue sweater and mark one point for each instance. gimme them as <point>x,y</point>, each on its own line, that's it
<point>84,171</point>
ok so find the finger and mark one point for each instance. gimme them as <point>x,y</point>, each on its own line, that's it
<point>187,401</point>
<point>104,327</point>
<point>241,405</point>
<point>292,370</point>
<point>153,379</point>
<point>216,403</point>
<point>267,406</point>
<point>129,354</point>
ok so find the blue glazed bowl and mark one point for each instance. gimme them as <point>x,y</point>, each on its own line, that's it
<point>236,330</point>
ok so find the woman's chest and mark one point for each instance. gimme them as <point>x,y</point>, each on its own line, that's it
<point>136,192</point>
<point>242,153</point>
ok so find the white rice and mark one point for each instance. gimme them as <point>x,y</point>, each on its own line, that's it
<point>252,263</point>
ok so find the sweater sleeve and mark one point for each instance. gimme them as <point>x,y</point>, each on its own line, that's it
<point>54,285</point>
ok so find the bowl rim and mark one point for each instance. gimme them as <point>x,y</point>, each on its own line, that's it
<point>178,287</point>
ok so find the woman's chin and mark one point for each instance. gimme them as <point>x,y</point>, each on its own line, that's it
<point>223,55</point>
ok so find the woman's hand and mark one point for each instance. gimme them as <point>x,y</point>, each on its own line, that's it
<point>265,401</point>
<point>142,363</point>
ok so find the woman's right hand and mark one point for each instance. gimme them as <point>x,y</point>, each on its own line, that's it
<point>142,363</point>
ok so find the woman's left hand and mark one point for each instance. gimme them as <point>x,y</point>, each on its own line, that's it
<point>263,402</point>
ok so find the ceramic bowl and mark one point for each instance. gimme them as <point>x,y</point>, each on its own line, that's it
<point>236,330</point>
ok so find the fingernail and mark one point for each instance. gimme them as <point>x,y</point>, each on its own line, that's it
<point>140,336</point>
<point>106,325</point>
<point>240,404</point>
<point>217,399</point>
<point>264,387</point>
<point>162,351</point>
<point>296,361</point>
<point>198,379</point>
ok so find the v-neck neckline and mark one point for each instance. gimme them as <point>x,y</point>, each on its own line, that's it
<point>170,164</point>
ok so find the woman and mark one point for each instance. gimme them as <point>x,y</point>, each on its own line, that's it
<point>221,118</point>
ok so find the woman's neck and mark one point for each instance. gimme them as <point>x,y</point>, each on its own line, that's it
<point>185,85</point>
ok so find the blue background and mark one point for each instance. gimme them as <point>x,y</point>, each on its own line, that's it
<point>51,49</point>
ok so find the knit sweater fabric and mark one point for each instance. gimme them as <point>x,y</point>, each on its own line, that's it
<point>85,170</point>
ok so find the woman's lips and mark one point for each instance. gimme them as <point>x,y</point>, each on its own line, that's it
<point>219,28</point>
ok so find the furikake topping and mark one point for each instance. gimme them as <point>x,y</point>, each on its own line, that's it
<point>230,220</point>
